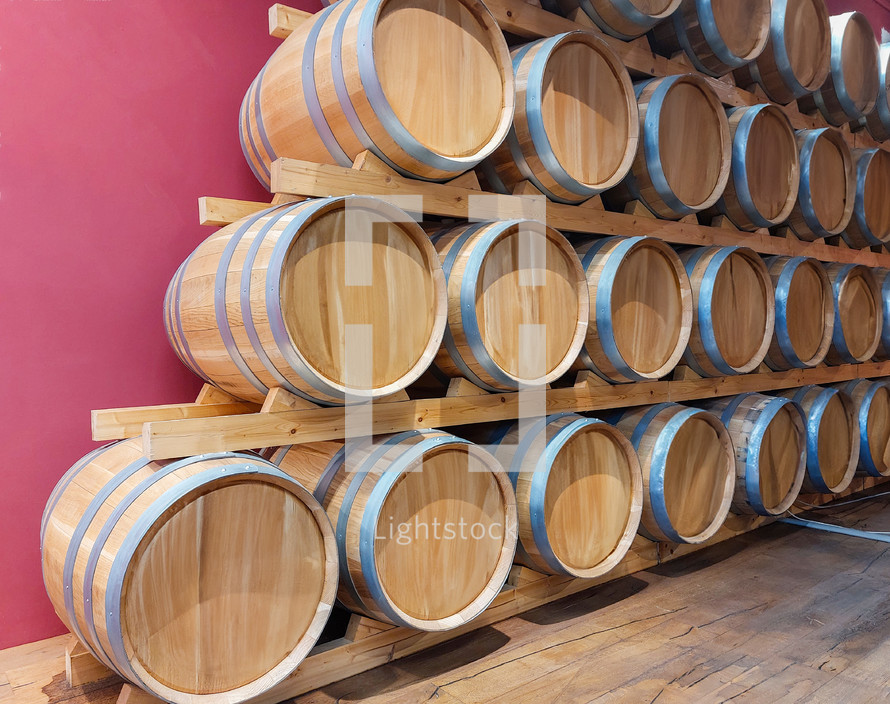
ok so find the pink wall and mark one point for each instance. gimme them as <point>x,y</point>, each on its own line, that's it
<point>116,116</point>
<point>877,11</point>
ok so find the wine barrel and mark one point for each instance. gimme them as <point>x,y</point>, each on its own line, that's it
<point>832,437</point>
<point>851,89</point>
<point>683,163</point>
<point>688,468</point>
<point>579,493</point>
<point>389,76</point>
<point>640,308</point>
<point>794,62</point>
<point>205,579</point>
<point>870,224</point>
<point>517,304</point>
<point>878,120</point>
<point>827,191</point>
<point>763,184</point>
<point>770,451</point>
<point>624,19</point>
<point>576,126</point>
<point>716,35</point>
<point>733,306</point>
<point>871,400</point>
<point>244,312</point>
<point>882,279</point>
<point>425,524</point>
<point>858,314</point>
<point>804,313</point>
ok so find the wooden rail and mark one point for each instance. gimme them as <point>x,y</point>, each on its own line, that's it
<point>177,435</point>
<point>303,178</point>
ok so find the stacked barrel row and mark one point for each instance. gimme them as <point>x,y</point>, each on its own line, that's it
<point>562,114</point>
<point>346,298</point>
<point>210,578</point>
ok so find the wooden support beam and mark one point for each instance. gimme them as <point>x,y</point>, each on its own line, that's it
<point>217,212</point>
<point>283,20</point>
<point>133,695</point>
<point>81,667</point>
<point>120,423</point>
<point>320,180</point>
<point>182,438</point>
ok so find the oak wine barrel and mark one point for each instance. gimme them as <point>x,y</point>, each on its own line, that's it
<point>851,89</point>
<point>871,400</point>
<point>640,308</point>
<point>304,296</point>
<point>425,524</point>
<point>763,184</point>
<point>688,468</point>
<point>716,35</point>
<point>579,492</point>
<point>389,76</point>
<point>858,314</point>
<point>683,163</point>
<point>770,450</point>
<point>804,313</point>
<point>623,19</point>
<point>870,224</point>
<point>878,120</point>
<point>517,303</point>
<point>832,437</point>
<point>794,62</point>
<point>576,125</point>
<point>733,307</point>
<point>882,279</point>
<point>134,549</point>
<point>827,191</point>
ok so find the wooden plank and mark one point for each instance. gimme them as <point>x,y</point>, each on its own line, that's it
<point>120,423</point>
<point>283,20</point>
<point>217,212</point>
<point>81,667</point>
<point>321,180</point>
<point>182,438</point>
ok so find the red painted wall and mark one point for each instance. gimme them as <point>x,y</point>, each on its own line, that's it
<point>877,11</point>
<point>116,116</point>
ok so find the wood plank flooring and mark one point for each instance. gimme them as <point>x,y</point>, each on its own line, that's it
<point>782,614</point>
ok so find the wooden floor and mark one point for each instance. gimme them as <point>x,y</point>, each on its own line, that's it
<point>778,615</point>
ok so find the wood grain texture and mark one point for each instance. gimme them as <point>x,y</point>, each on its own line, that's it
<point>502,277</point>
<point>762,190</point>
<point>646,328</point>
<point>320,180</point>
<point>871,401</point>
<point>440,516</point>
<point>169,572</point>
<point>804,313</point>
<point>795,58</point>
<point>688,471</point>
<point>733,310</point>
<point>242,311</point>
<point>191,437</point>
<point>613,19</point>
<point>717,35</point>
<point>583,478</point>
<point>827,193</point>
<point>870,224</point>
<point>851,88</point>
<point>769,439</point>
<point>414,112</point>
<point>858,305</point>
<point>576,125</point>
<point>683,164</point>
